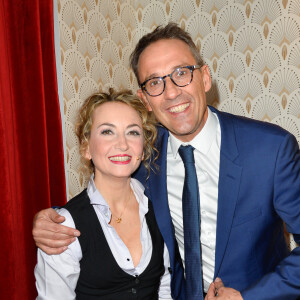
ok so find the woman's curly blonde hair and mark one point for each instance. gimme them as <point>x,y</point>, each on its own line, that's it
<point>85,120</point>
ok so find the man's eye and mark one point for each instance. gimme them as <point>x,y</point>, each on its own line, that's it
<point>181,73</point>
<point>106,132</point>
<point>154,82</point>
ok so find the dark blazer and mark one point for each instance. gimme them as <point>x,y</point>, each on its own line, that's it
<point>259,186</point>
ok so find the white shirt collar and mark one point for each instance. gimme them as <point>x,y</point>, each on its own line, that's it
<point>97,199</point>
<point>203,140</point>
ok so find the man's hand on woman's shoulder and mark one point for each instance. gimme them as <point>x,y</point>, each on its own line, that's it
<point>49,235</point>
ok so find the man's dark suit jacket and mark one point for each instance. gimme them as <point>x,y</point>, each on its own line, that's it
<point>259,188</point>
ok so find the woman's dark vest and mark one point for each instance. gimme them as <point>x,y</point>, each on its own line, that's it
<point>100,275</point>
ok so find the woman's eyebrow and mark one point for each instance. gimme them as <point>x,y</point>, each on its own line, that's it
<point>134,125</point>
<point>106,124</point>
<point>112,125</point>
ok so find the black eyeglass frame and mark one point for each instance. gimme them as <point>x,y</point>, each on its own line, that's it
<point>191,68</point>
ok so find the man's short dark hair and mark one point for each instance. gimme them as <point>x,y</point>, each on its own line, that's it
<point>168,32</point>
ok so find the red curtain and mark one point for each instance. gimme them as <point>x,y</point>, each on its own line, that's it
<point>31,151</point>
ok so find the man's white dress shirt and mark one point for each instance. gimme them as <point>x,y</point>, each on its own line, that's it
<point>207,146</point>
<point>57,275</point>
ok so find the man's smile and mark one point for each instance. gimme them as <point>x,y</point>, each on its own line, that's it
<point>179,108</point>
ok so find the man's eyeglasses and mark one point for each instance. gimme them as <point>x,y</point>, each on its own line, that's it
<point>181,77</point>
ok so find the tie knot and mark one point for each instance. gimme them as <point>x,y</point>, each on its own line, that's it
<point>187,154</point>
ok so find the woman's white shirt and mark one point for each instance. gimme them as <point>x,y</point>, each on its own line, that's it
<point>57,275</point>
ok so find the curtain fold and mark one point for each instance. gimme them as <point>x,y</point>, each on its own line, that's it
<point>31,148</point>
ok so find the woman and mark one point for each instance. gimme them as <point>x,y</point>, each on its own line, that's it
<point>114,257</point>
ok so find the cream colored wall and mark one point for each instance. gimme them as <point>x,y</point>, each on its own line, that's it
<point>251,46</point>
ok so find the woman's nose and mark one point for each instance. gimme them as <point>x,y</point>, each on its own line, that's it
<point>122,143</point>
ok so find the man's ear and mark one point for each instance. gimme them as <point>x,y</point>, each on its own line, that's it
<point>206,78</point>
<point>143,97</point>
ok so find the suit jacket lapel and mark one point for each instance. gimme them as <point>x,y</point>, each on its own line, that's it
<point>229,183</point>
<point>158,194</point>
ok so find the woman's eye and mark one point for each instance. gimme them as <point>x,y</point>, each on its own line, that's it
<point>134,132</point>
<point>106,132</point>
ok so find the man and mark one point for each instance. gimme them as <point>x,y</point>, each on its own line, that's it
<point>248,173</point>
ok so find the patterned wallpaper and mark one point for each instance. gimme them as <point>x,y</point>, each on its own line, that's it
<point>251,46</point>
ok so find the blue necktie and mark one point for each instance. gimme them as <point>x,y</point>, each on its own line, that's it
<point>191,226</point>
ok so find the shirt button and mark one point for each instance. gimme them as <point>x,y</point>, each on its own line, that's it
<point>137,281</point>
<point>133,291</point>
<point>203,212</point>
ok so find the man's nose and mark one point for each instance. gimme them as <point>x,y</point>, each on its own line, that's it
<point>171,89</point>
